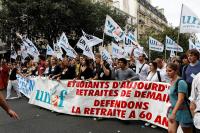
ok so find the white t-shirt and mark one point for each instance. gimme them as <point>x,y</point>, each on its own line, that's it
<point>195,92</point>
<point>154,77</point>
<point>144,70</point>
<point>163,73</point>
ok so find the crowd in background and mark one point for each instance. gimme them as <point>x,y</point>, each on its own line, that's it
<point>186,66</point>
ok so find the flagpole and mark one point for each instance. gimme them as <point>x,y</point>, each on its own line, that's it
<point>165,53</point>
<point>149,52</point>
<point>179,29</point>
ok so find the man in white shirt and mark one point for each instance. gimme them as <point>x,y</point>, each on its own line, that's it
<point>142,69</point>
<point>162,67</point>
<point>195,98</point>
<point>195,94</point>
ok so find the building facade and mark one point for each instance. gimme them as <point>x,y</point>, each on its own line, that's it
<point>141,14</point>
<point>150,17</point>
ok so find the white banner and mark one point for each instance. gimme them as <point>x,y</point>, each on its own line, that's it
<point>49,50</point>
<point>26,85</point>
<point>109,99</point>
<point>190,22</point>
<point>113,29</point>
<point>63,43</point>
<point>172,45</point>
<point>155,45</point>
<point>92,40</point>
<point>117,51</point>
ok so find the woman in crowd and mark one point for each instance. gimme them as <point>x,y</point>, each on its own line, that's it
<point>85,71</point>
<point>154,75</point>
<point>178,112</point>
<point>67,71</point>
<point>54,69</point>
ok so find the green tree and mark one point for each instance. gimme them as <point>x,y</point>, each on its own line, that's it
<point>49,18</point>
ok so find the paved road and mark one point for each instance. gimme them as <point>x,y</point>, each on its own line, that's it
<point>34,119</point>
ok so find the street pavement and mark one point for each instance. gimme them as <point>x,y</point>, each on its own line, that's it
<point>34,119</point>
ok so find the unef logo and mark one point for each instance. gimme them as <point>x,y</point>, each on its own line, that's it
<point>52,97</point>
<point>190,20</point>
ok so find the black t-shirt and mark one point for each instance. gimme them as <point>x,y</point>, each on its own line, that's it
<point>101,75</point>
<point>88,73</point>
<point>70,73</point>
<point>54,70</point>
<point>13,74</point>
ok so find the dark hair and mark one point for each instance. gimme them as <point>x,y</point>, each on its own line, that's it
<point>42,57</point>
<point>123,60</point>
<point>183,56</point>
<point>173,66</point>
<point>155,65</point>
<point>194,52</point>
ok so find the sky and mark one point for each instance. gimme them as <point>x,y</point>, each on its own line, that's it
<point>173,8</point>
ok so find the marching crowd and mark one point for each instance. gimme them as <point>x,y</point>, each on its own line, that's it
<point>181,72</point>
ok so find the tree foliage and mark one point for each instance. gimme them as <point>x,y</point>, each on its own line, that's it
<point>49,18</point>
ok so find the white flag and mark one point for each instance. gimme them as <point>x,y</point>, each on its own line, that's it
<point>190,22</point>
<point>13,53</point>
<point>113,29</point>
<point>31,48</point>
<point>138,51</point>
<point>49,50</point>
<point>88,52</point>
<point>63,43</point>
<point>194,46</point>
<point>117,51</point>
<point>24,50</point>
<point>172,45</point>
<point>106,56</point>
<point>57,51</point>
<point>155,45</point>
<point>92,40</point>
<point>82,43</point>
<point>172,54</point>
<point>130,39</point>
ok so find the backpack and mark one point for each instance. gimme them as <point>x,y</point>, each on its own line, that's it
<point>158,74</point>
<point>159,77</point>
<point>185,99</point>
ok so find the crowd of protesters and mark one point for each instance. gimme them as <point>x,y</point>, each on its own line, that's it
<point>179,72</point>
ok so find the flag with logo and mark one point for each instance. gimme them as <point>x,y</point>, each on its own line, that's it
<point>49,50</point>
<point>57,51</point>
<point>172,45</point>
<point>24,52</point>
<point>194,46</point>
<point>63,43</point>
<point>92,40</point>
<point>13,53</point>
<point>190,22</point>
<point>155,45</point>
<point>106,56</point>
<point>31,48</point>
<point>113,29</point>
<point>117,51</point>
